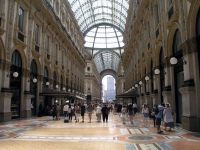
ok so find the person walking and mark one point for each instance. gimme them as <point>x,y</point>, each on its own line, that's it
<point>40,110</point>
<point>153,114</point>
<point>32,108</point>
<point>82,111</point>
<point>105,112</point>
<point>90,109</point>
<point>77,112</point>
<point>98,113</point>
<point>130,113</point>
<point>70,113</point>
<point>65,109</point>
<point>168,118</point>
<point>158,115</point>
<point>54,112</point>
<point>58,111</point>
<point>123,115</point>
<point>135,108</point>
<point>145,112</point>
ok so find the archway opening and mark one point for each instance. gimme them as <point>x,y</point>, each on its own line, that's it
<point>108,89</point>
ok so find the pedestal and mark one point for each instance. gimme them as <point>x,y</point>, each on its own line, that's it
<point>26,111</point>
<point>5,104</point>
<point>189,117</point>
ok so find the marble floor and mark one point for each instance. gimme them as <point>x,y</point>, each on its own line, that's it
<point>44,133</point>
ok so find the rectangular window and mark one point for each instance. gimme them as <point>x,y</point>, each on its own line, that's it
<point>21,19</point>
<point>149,32</point>
<point>156,16</point>
<point>62,57</point>
<point>37,34</point>
<point>47,44</point>
<point>56,52</point>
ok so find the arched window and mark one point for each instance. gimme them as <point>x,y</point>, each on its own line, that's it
<point>54,80</point>
<point>15,84</point>
<point>16,59</point>
<point>162,73</point>
<point>61,82</point>
<point>198,24</point>
<point>176,41</point>
<point>45,79</point>
<point>33,67</point>
<point>45,72</point>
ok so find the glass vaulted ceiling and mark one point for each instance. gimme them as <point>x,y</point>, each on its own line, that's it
<point>102,23</point>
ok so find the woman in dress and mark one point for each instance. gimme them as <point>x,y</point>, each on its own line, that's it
<point>58,111</point>
<point>168,118</point>
<point>145,112</point>
<point>77,112</point>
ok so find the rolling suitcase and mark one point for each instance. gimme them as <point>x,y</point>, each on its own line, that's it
<point>66,119</point>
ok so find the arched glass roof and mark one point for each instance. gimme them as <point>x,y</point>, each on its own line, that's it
<point>102,23</point>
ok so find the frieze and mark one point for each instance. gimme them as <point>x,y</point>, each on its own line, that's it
<point>10,29</point>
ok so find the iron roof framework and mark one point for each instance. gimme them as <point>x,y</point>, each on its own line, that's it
<point>102,22</point>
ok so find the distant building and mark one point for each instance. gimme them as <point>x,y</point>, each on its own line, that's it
<point>110,93</point>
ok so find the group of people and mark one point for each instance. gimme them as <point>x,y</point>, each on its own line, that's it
<point>157,114</point>
<point>79,110</point>
<point>127,110</point>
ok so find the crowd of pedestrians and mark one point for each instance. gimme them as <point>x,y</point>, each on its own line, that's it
<point>125,111</point>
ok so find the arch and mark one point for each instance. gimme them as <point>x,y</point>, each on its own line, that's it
<point>2,50</point>
<point>157,53</point>
<point>170,38</point>
<point>194,8</point>
<point>46,73</point>
<point>149,64</point>
<point>33,67</point>
<point>49,72</point>
<point>16,59</point>
<point>22,54</point>
<point>38,65</point>
<point>108,72</point>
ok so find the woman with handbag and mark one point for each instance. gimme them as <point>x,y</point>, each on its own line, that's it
<point>153,114</point>
<point>145,112</point>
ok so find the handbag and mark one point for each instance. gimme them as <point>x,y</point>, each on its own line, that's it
<point>153,114</point>
<point>146,115</point>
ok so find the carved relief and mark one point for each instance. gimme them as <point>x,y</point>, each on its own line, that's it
<point>184,36</point>
<point>10,29</point>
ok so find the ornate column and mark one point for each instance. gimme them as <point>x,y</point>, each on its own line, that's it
<point>5,94</point>
<point>167,92</point>
<point>190,88</point>
<point>154,95</point>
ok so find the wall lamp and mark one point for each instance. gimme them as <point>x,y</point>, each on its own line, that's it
<point>47,83</point>
<point>56,86</point>
<point>174,61</point>
<point>140,83</point>
<point>136,85</point>
<point>64,89</point>
<point>15,74</point>
<point>157,71</point>
<point>69,90</point>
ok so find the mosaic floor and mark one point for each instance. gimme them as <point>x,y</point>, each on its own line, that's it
<point>44,133</point>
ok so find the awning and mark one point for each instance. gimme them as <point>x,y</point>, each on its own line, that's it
<point>54,92</point>
<point>128,95</point>
<point>79,97</point>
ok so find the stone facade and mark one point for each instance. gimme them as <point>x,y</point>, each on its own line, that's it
<point>42,34</point>
<point>155,32</point>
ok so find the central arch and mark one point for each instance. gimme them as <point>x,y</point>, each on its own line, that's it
<point>108,72</point>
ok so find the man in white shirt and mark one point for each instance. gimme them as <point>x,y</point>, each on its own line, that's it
<point>65,109</point>
<point>135,108</point>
